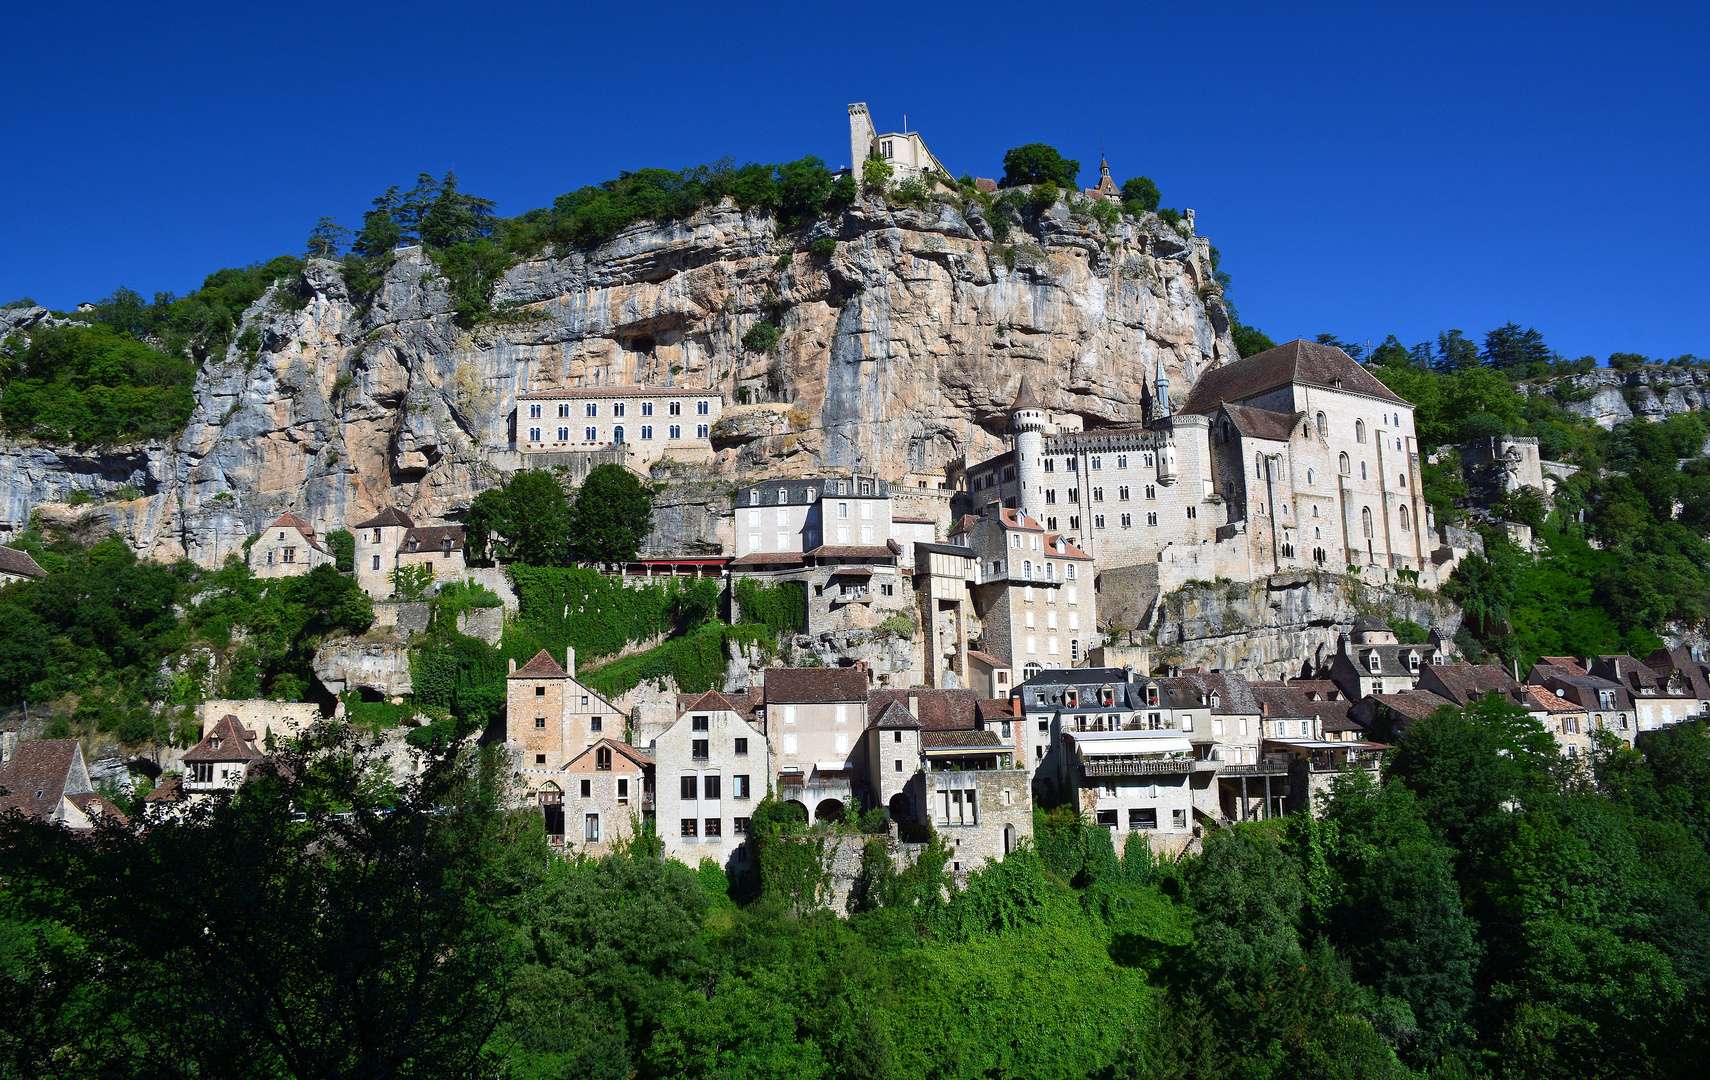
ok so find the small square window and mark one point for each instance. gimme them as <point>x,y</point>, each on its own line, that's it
<point>587,789</point>
<point>540,691</point>
<point>540,759</point>
<point>539,722</point>
<point>715,827</point>
<point>742,746</point>
<point>690,826</point>
<point>594,723</point>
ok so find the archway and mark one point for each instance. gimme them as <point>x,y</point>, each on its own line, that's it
<point>829,810</point>
<point>900,809</point>
<point>798,804</point>
<point>1008,839</point>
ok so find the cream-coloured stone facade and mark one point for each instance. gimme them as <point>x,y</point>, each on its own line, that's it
<point>712,768</point>
<point>851,510</point>
<point>286,548</point>
<point>904,151</point>
<point>550,718</point>
<point>601,798</point>
<point>1033,591</point>
<point>646,423</point>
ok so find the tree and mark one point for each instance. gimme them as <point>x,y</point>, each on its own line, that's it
<point>612,516</point>
<point>1140,194</point>
<point>450,217</point>
<point>1036,163</point>
<point>327,239</point>
<point>1511,349</point>
<point>1249,340</point>
<point>1352,348</point>
<point>343,546</point>
<point>1455,352</point>
<point>1391,353</point>
<point>537,523</point>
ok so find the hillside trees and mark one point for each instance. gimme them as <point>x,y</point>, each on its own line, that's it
<point>612,515</point>
<point>93,384</point>
<point>1037,163</point>
<point>526,520</point>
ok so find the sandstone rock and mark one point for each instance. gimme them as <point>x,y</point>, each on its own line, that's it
<point>1606,407</point>
<point>380,667</point>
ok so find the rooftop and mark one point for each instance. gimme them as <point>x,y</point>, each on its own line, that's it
<point>807,686</point>
<point>390,516</point>
<point>1298,361</point>
<point>13,561</point>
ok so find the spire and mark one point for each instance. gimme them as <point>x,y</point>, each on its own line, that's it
<point>1103,168</point>
<point>1145,401</point>
<point>1163,380</point>
<point>1025,397</point>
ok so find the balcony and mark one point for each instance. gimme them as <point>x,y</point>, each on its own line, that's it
<point>1137,765</point>
<point>1263,768</point>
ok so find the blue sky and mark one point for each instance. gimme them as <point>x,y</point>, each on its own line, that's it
<point>1365,169</point>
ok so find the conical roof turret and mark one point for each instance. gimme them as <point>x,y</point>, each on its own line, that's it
<point>1025,397</point>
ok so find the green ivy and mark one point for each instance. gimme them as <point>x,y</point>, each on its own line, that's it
<point>695,661</point>
<point>781,608</point>
<point>600,615</point>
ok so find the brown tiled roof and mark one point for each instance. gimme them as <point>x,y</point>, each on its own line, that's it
<point>789,686</point>
<point>901,520</point>
<point>986,658</point>
<point>236,743</point>
<point>619,392</point>
<point>292,521</point>
<point>711,701</point>
<point>432,538</point>
<point>940,710</point>
<point>1298,361</point>
<point>770,558</point>
<point>1070,551</point>
<point>1234,693</point>
<point>895,715</point>
<point>1026,397</point>
<point>1573,666</point>
<point>13,561</point>
<point>1540,698</point>
<point>1633,674</point>
<point>996,709</point>
<point>622,748</point>
<point>543,666</point>
<point>389,516</point>
<point>1327,689</point>
<point>97,807</point>
<point>1465,682</point>
<point>1262,423</point>
<point>857,551</point>
<point>973,739</point>
<point>168,790</point>
<point>1414,704</point>
<point>36,765</point>
<point>1015,519</point>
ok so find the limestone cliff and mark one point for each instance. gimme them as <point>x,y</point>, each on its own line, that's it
<point>900,353</point>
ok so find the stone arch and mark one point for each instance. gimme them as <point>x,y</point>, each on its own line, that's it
<point>900,808</point>
<point>802,805</point>
<point>1009,839</point>
<point>829,810</point>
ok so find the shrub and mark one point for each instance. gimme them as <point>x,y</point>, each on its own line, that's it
<point>762,337</point>
<point>824,247</point>
<point>781,608</point>
<point>1043,197</point>
<point>1170,215</point>
<point>93,384</point>
<point>876,175</point>
<point>910,192</point>
<point>1140,194</point>
<point>1037,163</point>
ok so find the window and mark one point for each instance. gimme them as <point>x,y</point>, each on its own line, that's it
<point>701,431</point>
<point>715,827</point>
<point>1309,477</point>
<point>1127,521</point>
<point>647,408</point>
<point>1151,492</point>
<point>690,787</point>
<point>1362,470</point>
<point>290,554</point>
<point>1050,464</point>
<point>534,412</point>
<point>741,826</point>
<point>1344,464</point>
<point>1259,466</point>
<point>1193,512</point>
<point>623,789</point>
<point>204,771</point>
<point>698,723</point>
<point>563,434</point>
<point>1096,464</point>
<point>590,410</point>
<point>1323,426</point>
<point>587,788</point>
<point>1359,431</point>
<point>1146,818</point>
<point>1051,496</point>
<point>742,746</point>
<point>1178,820</point>
<point>602,759</point>
<point>540,759</point>
<point>617,434</point>
<point>1122,461</point>
<point>1404,522</point>
<point>1403,478</point>
<point>590,434</point>
<point>676,431</point>
<point>739,788</point>
<point>1122,493</point>
<point>1098,521</point>
<point>540,691</point>
<point>1151,519</point>
<point>646,432</point>
<point>689,826</point>
<point>1366,520</point>
<point>533,434</point>
<point>1097,494</point>
<point>617,409</point>
<point>711,786</point>
<point>591,828</point>
<point>702,408</point>
<point>1107,819</point>
<point>699,748</point>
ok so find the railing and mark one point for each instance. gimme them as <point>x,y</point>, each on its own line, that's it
<point>1132,765</point>
<point>1263,768</point>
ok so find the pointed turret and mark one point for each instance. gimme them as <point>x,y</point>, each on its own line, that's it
<point>1025,397</point>
<point>1163,380</point>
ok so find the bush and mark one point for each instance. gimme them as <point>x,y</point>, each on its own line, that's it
<point>762,337</point>
<point>1037,163</point>
<point>876,176</point>
<point>93,384</point>
<point>824,247</point>
<point>781,608</point>
<point>1170,215</point>
<point>1140,195</point>
<point>1043,197</point>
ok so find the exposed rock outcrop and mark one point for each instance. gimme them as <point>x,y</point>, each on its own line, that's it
<point>381,667</point>
<point>899,354</point>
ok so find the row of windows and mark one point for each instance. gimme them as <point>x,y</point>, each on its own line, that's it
<point>1143,818</point>
<point>1096,463</point>
<point>709,786</point>
<point>592,409</point>
<point>866,487</point>
<point>589,434</point>
<point>1051,647</point>
<point>713,828</point>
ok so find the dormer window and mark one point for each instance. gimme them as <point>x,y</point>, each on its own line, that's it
<point>754,497</point>
<point>1107,695</point>
<point>866,487</point>
<point>1372,661</point>
<point>1152,695</point>
<point>1216,700</point>
<point>214,743</point>
<point>783,496</point>
<point>1413,661</point>
<point>1071,698</point>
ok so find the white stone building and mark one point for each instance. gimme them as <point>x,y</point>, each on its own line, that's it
<point>904,151</point>
<point>645,423</point>
<point>1033,591</point>
<point>711,769</point>
<point>286,548</point>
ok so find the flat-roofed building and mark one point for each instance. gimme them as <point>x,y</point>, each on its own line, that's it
<point>646,423</point>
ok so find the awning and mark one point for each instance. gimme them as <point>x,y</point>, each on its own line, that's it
<point>851,571</point>
<point>834,766</point>
<point>1101,743</point>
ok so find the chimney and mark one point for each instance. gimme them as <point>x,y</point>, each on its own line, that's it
<point>1015,705</point>
<point>513,663</point>
<point>914,704</point>
<point>570,660</point>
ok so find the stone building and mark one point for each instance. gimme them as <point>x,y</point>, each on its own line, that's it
<point>1567,721</point>
<point>47,779</point>
<point>1136,781</point>
<point>221,761</point>
<point>813,719</point>
<point>437,547</point>
<point>378,541</point>
<point>904,151</point>
<point>17,565</point>
<point>1293,458</point>
<point>799,516</point>
<point>711,769</point>
<point>272,722</point>
<point>550,718</point>
<point>1658,700</point>
<point>286,548</point>
<point>941,578</point>
<point>1370,660</point>
<point>1033,590</point>
<point>645,423</point>
<point>602,797</point>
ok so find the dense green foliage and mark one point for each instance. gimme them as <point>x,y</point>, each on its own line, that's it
<point>780,608</point>
<point>1487,911</point>
<point>526,520</point>
<point>612,515</point>
<point>203,323</point>
<point>696,660</point>
<point>92,384</point>
<point>1037,163</point>
<point>93,637</point>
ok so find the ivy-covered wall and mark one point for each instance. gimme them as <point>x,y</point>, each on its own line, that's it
<point>781,608</point>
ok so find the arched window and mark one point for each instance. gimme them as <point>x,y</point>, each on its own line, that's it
<point>1027,565</point>
<point>1404,481</point>
<point>617,434</point>
<point>1359,431</point>
<point>1362,470</point>
<point>1223,434</point>
<point>1366,520</point>
<point>1323,426</point>
<point>1404,524</point>
<point>1031,671</point>
<point>1344,464</point>
<point>1259,466</point>
<point>1309,478</point>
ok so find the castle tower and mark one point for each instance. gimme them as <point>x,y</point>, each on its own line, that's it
<point>861,136</point>
<point>1163,406</point>
<point>1027,422</point>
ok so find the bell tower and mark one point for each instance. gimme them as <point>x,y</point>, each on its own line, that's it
<point>1027,422</point>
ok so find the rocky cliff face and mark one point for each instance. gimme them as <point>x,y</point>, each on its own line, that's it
<point>1609,397</point>
<point>1284,626</point>
<point>900,353</point>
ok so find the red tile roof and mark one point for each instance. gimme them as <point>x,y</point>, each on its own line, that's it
<point>1026,397</point>
<point>858,551</point>
<point>960,738</point>
<point>228,740</point>
<point>786,686</point>
<point>42,765</point>
<point>1548,701</point>
<point>895,715</point>
<point>770,558</point>
<point>292,521</point>
<point>543,666</point>
<point>939,710</point>
<point>1465,682</point>
<point>987,659</point>
<point>996,709</point>
<point>579,392</point>
<point>711,701</point>
<point>623,749</point>
<point>1298,361</point>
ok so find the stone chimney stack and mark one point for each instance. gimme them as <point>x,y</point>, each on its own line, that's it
<point>570,660</point>
<point>513,663</point>
<point>914,704</point>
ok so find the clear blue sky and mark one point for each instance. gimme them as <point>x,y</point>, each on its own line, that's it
<point>1364,168</point>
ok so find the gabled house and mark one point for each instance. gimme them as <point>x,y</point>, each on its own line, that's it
<point>48,780</point>
<point>17,565</point>
<point>286,548</point>
<point>550,717</point>
<point>1371,661</point>
<point>711,769</point>
<point>1607,703</point>
<point>813,719</point>
<point>1464,684</point>
<point>1658,700</point>
<point>221,761</point>
<point>602,795</point>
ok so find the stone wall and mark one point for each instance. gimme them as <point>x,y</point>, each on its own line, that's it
<point>279,719</point>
